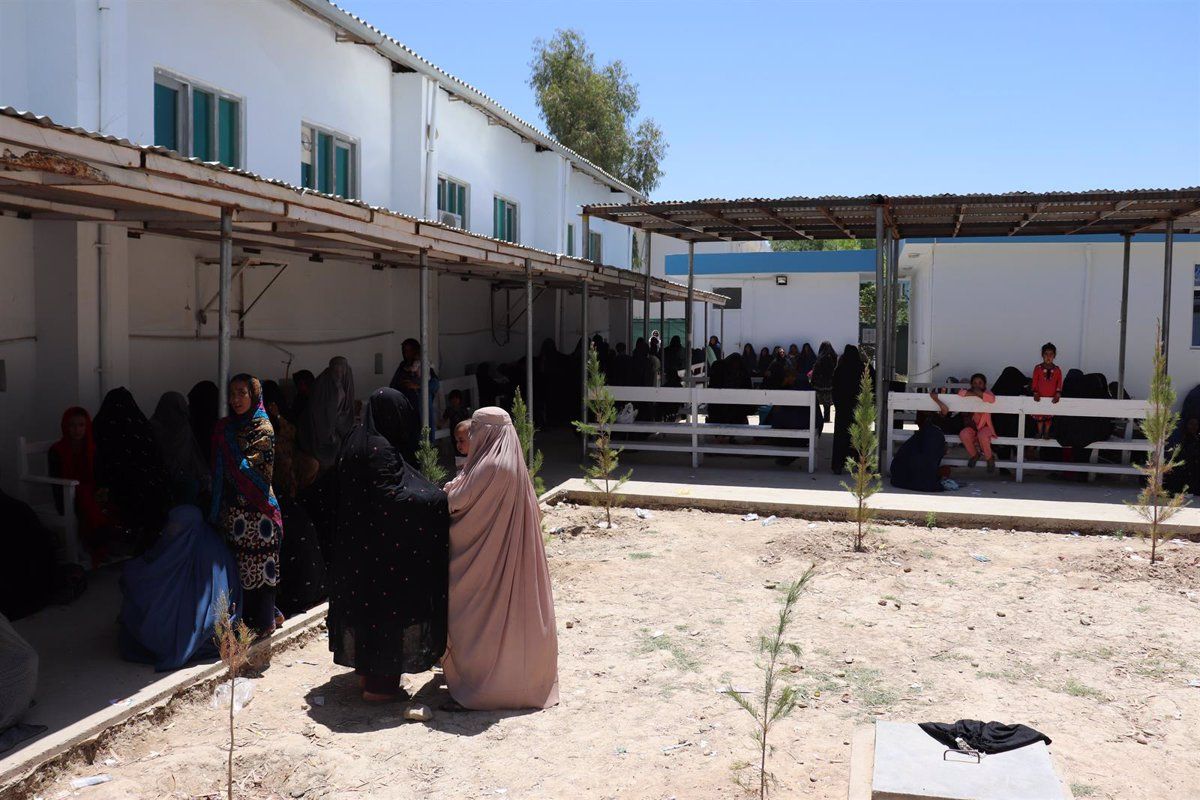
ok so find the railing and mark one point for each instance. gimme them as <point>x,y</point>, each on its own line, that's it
<point>1023,407</point>
<point>696,433</point>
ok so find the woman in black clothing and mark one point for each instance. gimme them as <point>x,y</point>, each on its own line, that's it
<point>203,400</point>
<point>674,362</point>
<point>749,359</point>
<point>846,378</point>
<point>130,465</point>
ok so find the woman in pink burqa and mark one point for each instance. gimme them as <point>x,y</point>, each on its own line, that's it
<point>503,648</point>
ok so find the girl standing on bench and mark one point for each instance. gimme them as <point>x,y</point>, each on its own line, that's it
<point>1047,382</point>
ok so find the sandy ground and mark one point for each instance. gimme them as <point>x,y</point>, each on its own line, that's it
<point>1072,635</point>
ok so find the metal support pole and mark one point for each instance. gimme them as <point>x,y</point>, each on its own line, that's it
<point>1168,246</point>
<point>688,313</point>
<point>662,322</point>
<point>646,293</point>
<point>721,314</point>
<point>893,305</point>
<point>423,323</point>
<point>223,292</point>
<point>583,394</point>
<point>1128,237</point>
<point>880,311</point>
<point>629,322</point>
<point>704,342</point>
<point>529,350</point>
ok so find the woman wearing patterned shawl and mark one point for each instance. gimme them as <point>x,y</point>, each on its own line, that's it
<point>244,506</point>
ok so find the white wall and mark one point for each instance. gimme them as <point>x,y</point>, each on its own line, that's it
<point>979,307</point>
<point>18,347</point>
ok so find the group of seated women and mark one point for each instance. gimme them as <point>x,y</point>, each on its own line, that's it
<point>295,499</point>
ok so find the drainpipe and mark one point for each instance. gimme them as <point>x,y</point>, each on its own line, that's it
<point>101,237</point>
<point>431,153</point>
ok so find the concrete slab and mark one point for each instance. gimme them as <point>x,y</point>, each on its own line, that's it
<point>909,765</point>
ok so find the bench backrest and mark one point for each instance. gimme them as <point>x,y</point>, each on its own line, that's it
<point>1066,407</point>
<point>745,397</point>
<point>32,457</point>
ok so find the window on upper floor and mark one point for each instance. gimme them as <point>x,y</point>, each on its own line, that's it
<point>505,220</point>
<point>196,120</point>
<point>328,161</point>
<point>594,249</point>
<point>570,239</point>
<point>452,202</point>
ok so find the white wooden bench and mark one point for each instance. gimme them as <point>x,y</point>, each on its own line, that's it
<point>693,434</point>
<point>1023,407</point>
<point>64,524</point>
<point>468,385</point>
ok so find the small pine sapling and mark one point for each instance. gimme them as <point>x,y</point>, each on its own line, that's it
<point>233,640</point>
<point>428,461</point>
<point>603,408</point>
<point>778,699</point>
<point>1155,503</point>
<point>863,463</point>
<point>526,432</point>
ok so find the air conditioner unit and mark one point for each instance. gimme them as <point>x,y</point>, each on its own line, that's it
<point>450,218</point>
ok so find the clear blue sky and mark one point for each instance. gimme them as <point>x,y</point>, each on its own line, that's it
<point>810,98</point>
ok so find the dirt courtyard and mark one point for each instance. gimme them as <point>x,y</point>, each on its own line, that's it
<point>1071,635</point>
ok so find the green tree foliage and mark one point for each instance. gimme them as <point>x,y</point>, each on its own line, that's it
<point>863,462</point>
<point>591,109</point>
<point>428,461</point>
<point>526,432</point>
<point>601,475</point>
<point>777,699</point>
<point>1155,503</point>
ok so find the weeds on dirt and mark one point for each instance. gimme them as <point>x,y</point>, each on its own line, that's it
<point>428,462</point>
<point>640,556</point>
<point>930,519</point>
<point>1156,504</point>
<point>603,408</point>
<point>776,702</point>
<point>863,462</point>
<point>1077,689</point>
<point>233,640</point>
<point>525,433</point>
<point>682,659</point>
<point>1083,790</point>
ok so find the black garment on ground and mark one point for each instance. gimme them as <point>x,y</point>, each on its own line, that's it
<point>389,587</point>
<point>990,737</point>
<point>203,400</point>
<point>27,571</point>
<point>915,465</point>
<point>846,378</point>
<point>302,565</point>
<point>320,500</point>
<point>1011,383</point>
<point>130,465</point>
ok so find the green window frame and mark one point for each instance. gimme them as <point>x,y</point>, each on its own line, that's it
<point>452,198</point>
<point>570,239</point>
<point>196,120</point>
<point>595,248</point>
<point>328,161</point>
<point>505,221</point>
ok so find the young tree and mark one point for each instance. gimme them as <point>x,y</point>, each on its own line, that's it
<point>776,701</point>
<point>603,408</point>
<point>526,432</point>
<point>1155,503</point>
<point>428,462</point>
<point>863,463</point>
<point>233,641</point>
<point>591,110</point>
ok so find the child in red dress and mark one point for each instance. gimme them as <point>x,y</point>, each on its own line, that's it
<point>1047,382</point>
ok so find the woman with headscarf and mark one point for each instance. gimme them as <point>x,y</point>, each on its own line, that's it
<point>244,507</point>
<point>203,400</point>
<point>821,378</point>
<point>503,648</point>
<point>826,348</point>
<point>301,557</point>
<point>171,423</point>
<point>302,386</point>
<point>173,594</point>
<point>793,356</point>
<point>846,378</point>
<point>28,569</point>
<point>730,373</point>
<point>674,362</point>
<point>806,360</point>
<point>749,359</point>
<point>330,412</point>
<point>389,584</point>
<point>73,457</point>
<point>130,465</point>
<point>764,361</point>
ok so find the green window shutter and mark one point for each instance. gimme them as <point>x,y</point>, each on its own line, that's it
<point>166,116</point>
<point>442,195</point>
<point>343,171</point>
<point>306,175</point>
<point>227,132</point>
<point>511,222</point>
<point>498,218</point>
<point>461,208</point>
<point>570,240</point>
<point>202,125</point>
<point>324,162</point>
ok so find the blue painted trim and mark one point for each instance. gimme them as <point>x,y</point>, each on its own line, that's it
<point>1080,238</point>
<point>771,263</point>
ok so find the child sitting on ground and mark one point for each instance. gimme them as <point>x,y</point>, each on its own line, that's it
<point>1047,382</point>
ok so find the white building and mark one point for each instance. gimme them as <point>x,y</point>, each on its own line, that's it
<point>296,91</point>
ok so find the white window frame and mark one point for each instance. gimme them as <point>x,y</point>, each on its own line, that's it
<point>466,211</point>
<point>339,138</point>
<point>516,236</point>
<point>183,112</point>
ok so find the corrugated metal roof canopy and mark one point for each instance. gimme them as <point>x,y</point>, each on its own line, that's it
<point>51,172</point>
<point>941,216</point>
